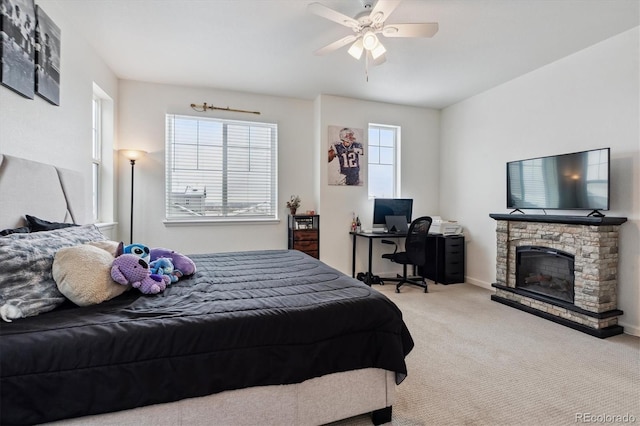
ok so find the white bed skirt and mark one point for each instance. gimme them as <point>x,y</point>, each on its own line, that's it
<point>313,402</point>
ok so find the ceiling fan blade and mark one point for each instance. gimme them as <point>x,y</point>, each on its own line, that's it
<point>382,10</point>
<point>410,30</point>
<point>335,45</point>
<point>332,15</point>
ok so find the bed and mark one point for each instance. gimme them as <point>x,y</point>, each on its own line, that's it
<point>257,337</point>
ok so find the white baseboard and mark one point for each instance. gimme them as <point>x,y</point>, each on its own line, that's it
<point>630,329</point>
<point>478,283</point>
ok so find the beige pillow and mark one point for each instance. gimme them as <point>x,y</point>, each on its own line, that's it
<point>83,275</point>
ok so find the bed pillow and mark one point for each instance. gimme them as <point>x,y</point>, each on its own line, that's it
<point>83,274</point>
<point>37,224</point>
<point>27,287</point>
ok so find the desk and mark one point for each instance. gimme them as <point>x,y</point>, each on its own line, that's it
<point>445,256</point>
<point>369,236</point>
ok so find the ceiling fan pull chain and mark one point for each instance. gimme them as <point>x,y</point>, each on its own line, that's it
<point>366,66</point>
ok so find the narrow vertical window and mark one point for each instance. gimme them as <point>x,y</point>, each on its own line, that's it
<point>384,142</point>
<point>96,156</point>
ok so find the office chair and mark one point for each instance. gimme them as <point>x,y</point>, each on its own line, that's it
<point>415,253</point>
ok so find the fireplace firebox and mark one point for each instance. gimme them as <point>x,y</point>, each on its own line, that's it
<point>545,271</point>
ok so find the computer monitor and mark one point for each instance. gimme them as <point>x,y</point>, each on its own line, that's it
<point>383,207</point>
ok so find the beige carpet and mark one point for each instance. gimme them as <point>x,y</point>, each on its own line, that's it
<point>477,362</point>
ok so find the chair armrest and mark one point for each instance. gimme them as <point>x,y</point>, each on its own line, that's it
<point>395,248</point>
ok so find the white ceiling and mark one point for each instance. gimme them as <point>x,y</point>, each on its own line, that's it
<point>266,46</point>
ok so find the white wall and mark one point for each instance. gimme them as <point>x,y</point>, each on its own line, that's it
<point>584,101</point>
<point>420,130</point>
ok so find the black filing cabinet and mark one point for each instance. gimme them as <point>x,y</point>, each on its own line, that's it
<point>445,259</point>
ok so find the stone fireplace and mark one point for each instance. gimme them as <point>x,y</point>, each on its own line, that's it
<point>562,268</point>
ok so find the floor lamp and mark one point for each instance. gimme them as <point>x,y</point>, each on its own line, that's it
<point>132,155</point>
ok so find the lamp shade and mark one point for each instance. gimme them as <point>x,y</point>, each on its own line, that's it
<point>356,49</point>
<point>132,154</point>
<point>378,51</point>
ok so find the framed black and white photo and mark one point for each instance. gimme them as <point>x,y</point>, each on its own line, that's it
<point>47,58</point>
<point>17,51</point>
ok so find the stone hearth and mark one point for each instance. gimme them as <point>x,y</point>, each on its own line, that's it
<point>593,241</point>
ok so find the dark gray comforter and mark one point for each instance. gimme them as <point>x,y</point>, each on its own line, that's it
<point>244,319</point>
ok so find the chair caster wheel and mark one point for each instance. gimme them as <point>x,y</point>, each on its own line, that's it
<point>397,290</point>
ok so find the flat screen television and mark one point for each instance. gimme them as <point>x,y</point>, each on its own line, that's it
<point>575,181</point>
<point>383,207</point>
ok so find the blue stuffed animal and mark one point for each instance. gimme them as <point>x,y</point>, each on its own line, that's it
<point>139,250</point>
<point>164,266</point>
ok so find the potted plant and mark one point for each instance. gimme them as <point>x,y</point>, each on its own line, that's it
<point>293,204</point>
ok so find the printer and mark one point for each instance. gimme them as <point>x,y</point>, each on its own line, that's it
<point>444,227</point>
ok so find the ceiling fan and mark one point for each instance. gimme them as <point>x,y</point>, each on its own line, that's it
<point>367,26</point>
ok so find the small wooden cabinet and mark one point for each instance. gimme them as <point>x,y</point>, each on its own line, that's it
<point>304,234</point>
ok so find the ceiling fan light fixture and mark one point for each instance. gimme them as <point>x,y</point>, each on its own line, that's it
<point>378,51</point>
<point>369,40</point>
<point>356,49</point>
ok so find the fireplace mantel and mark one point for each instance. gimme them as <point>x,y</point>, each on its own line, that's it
<point>569,220</point>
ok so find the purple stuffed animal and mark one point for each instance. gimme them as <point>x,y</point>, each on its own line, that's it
<point>180,262</point>
<point>131,269</point>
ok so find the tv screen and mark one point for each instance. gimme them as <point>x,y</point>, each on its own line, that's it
<point>576,181</point>
<point>391,207</point>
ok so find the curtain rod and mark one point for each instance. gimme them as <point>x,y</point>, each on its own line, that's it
<point>204,107</point>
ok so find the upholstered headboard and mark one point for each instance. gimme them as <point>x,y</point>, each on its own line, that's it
<point>42,190</point>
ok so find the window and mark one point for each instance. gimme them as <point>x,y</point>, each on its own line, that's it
<point>220,170</point>
<point>384,154</point>
<point>96,157</point>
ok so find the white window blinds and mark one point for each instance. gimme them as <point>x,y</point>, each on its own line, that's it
<point>220,170</point>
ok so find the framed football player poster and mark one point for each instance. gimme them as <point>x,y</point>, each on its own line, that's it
<point>346,149</point>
